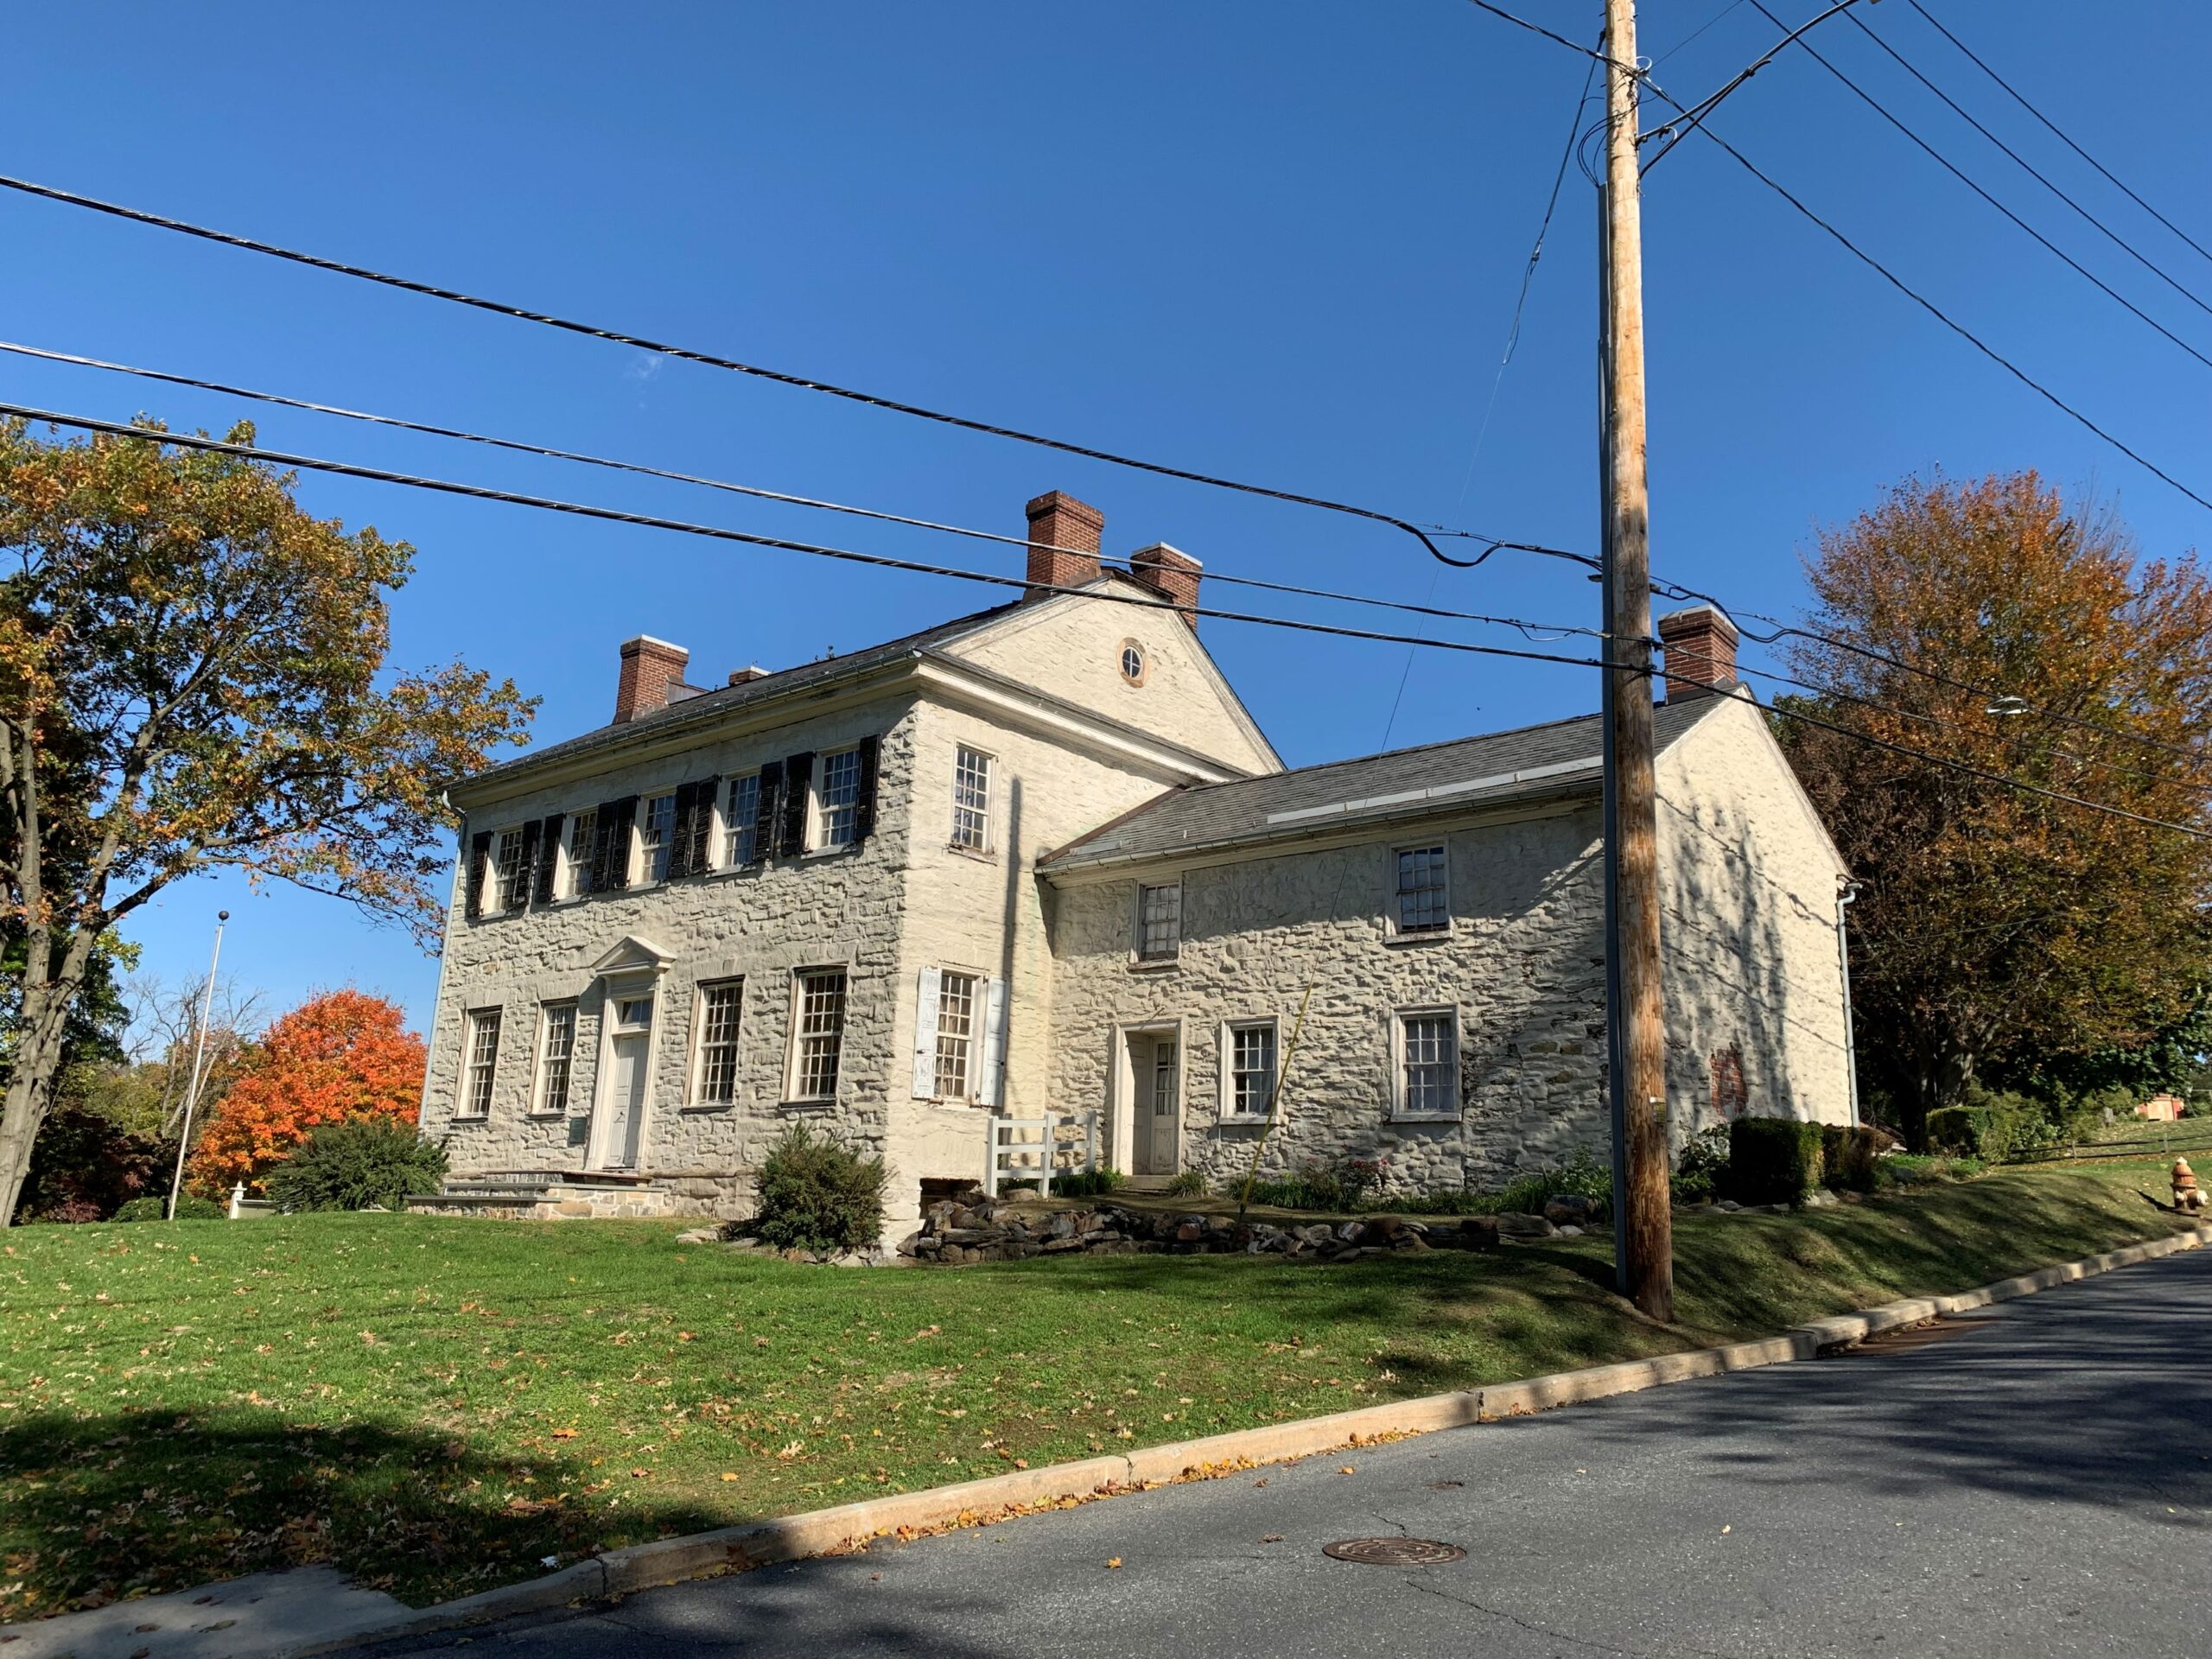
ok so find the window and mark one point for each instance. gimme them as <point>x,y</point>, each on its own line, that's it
<point>719,1005</point>
<point>740,820</point>
<point>582,834</point>
<point>955,1035</point>
<point>819,1033</point>
<point>838,802</point>
<point>971,800</point>
<point>1424,903</point>
<point>1159,923</point>
<point>1251,1069</point>
<point>659,836</point>
<point>483,1050</point>
<point>510,871</point>
<point>1133,662</point>
<point>1428,1064</point>
<point>556,1046</point>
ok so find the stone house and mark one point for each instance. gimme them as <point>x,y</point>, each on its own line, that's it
<point>1040,859</point>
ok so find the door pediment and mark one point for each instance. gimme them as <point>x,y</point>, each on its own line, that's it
<point>633,955</point>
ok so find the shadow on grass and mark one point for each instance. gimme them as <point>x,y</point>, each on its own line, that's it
<point>107,1505</point>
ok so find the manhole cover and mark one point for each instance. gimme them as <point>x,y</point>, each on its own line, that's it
<point>1394,1552</point>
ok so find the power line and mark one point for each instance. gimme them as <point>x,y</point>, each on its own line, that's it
<point>1695,33</point>
<point>448,486</point>
<point>756,492</point>
<point>2118,240</point>
<point>715,361</point>
<point>2056,131</point>
<point>1689,120</point>
<point>612,515</point>
<point>1948,166</point>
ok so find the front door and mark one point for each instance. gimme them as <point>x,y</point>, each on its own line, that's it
<point>1158,1101</point>
<point>629,1065</point>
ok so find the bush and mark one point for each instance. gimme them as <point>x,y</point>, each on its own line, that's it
<point>1848,1155</point>
<point>83,1166</point>
<point>1773,1160</point>
<point>1701,1164</point>
<point>1088,1183</point>
<point>356,1163</point>
<point>817,1194</point>
<point>1189,1184</point>
<point>1338,1188</point>
<point>190,1207</point>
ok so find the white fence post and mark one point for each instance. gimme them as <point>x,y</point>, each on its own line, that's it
<point>238,1201</point>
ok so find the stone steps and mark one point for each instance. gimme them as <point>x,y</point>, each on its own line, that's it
<point>546,1195</point>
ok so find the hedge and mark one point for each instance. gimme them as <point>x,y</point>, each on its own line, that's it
<point>1773,1160</point>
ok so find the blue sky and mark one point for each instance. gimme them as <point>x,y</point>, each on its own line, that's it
<point>1280,242</point>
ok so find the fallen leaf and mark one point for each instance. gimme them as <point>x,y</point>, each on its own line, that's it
<point>1347,1469</point>
<point>1272,1538</point>
<point>1262,1481</point>
<point>565,1433</point>
<point>1113,1560</point>
<point>1727,1529</point>
<point>727,1476</point>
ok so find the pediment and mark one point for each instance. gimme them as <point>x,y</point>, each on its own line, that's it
<point>632,954</point>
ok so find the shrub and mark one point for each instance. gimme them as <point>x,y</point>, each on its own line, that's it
<point>190,1207</point>
<point>1957,1128</point>
<point>1088,1183</point>
<point>1188,1184</point>
<point>355,1163</point>
<point>1773,1160</point>
<point>1338,1188</point>
<point>1848,1155</point>
<point>1701,1164</point>
<point>817,1194</point>
<point>84,1165</point>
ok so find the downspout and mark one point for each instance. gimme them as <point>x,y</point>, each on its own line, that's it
<point>438,996</point>
<point>1846,891</point>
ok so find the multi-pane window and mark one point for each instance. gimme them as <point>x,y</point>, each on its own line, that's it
<point>483,1062</point>
<point>557,1048</point>
<point>740,819</point>
<point>510,872</point>
<point>719,1005</point>
<point>971,800</point>
<point>820,1035</point>
<point>840,797</point>
<point>1159,922</point>
<point>1424,904</point>
<point>1251,1069</point>
<point>955,1035</point>
<point>1429,1066</point>
<point>659,838</point>
<point>582,829</point>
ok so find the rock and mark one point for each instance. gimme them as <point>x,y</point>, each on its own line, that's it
<point>1409,1242</point>
<point>1189,1232</point>
<point>929,1244</point>
<point>1728,1206</point>
<point>1063,1227</point>
<point>848,1259</point>
<point>961,1217</point>
<point>699,1236</point>
<point>1570,1231</point>
<point>1820,1198</point>
<point>1056,1246</point>
<point>1567,1207</point>
<point>1479,1232</point>
<point>1519,1225</point>
<point>745,1244</point>
<point>1316,1234</point>
<point>1351,1232</point>
<point>1220,1225</point>
<point>973,1235</point>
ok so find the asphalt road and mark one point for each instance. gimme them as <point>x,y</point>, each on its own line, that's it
<point>2033,1481</point>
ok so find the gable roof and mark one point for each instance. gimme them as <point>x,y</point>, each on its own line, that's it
<point>1495,768</point>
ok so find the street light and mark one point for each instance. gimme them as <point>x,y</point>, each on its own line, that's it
<point>199,1057</point>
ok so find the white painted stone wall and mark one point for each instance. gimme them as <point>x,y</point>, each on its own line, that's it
<point>1750,960</point>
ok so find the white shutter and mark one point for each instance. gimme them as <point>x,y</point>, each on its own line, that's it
<point>926,1001</point>
<point>994,1043</point>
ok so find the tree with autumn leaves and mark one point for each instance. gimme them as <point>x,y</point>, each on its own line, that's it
<point>339,1056</point>
<point>2000,933</point>
<point>192,678</point>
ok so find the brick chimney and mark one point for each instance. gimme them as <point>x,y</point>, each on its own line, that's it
<point>1064,536</point>
<point>1699,652</point>
<point>748,674</point>
<point>650,668</point>
<point>1171,572</point>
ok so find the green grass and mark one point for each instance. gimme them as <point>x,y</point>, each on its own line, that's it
<point>438,1405</point>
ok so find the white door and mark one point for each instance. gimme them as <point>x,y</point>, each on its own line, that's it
<point>1158,1118</point>
<point>630,1064</point>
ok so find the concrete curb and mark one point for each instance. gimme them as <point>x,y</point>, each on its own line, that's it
<point>853,1526</point>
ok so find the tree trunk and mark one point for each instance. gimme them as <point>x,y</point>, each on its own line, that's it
<point>30,1091</point>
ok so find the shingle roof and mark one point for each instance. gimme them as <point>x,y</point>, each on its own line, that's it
<point>1498,766</point>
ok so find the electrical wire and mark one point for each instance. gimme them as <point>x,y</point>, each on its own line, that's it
<point>1694,33</point>
<point>2117,239</point>
<point>1956,172</point>
<point>612,515</point>
<point>1691,118</point>
<point>448,486</point>
<point>2055,130</point>
<point>76,360</point>
<point>714,360</point>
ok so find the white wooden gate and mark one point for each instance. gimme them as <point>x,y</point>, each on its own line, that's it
<point>1027,1150</point>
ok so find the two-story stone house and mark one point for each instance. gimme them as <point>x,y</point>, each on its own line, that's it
<point>1041,858</point>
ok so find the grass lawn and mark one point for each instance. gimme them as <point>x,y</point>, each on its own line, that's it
<point>440,1405</point>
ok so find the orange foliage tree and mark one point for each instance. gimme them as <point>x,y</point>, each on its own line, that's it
<point>343,1054</point>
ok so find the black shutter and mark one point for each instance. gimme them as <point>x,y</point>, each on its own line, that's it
<point>798,778</point>
<point>526,871</point>
<point>688,852</point>
<point>704,851</point>
<point>679,830</point>
<point>767,812</point>
<point>864,803</point>
<point>548,856</point>
<point>472,886</point>
<point>618,823</point>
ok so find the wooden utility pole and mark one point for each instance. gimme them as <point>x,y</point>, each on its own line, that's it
<point>1635,1017</point>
